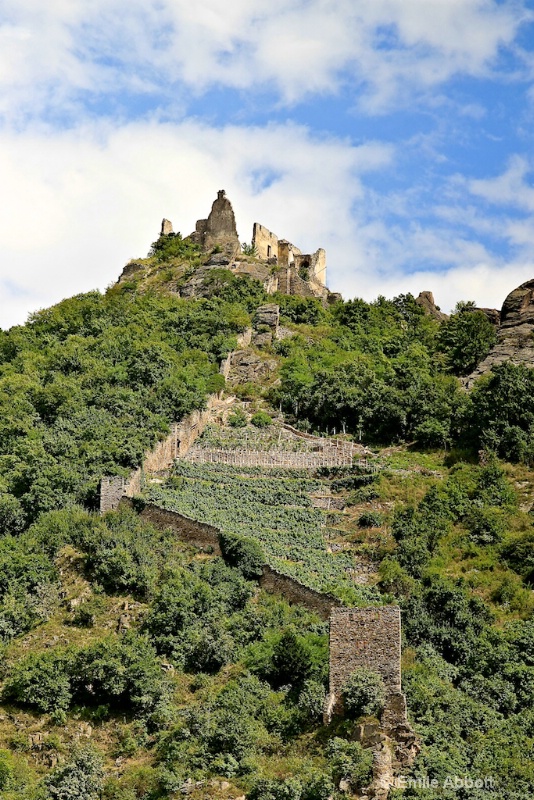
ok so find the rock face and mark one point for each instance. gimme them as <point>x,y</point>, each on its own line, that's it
<point>515,338</point>
<point>266,322</point>
<point>426,301</point>
<point>247,367</point>
<point>219,229</point>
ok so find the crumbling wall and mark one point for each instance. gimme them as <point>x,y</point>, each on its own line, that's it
<point>365,637</point>
<point>295,592</point>
<point>190,531</point>
<point>265,242</point>
<point>219,229</point>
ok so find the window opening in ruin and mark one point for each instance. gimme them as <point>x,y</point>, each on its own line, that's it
<point>304,270</point>
<point>269,250</point>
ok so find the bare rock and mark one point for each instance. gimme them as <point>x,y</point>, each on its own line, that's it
<point>268,315</point>
<point>130,269</point>
<point>515,337</point>
<point>426,301</point>
<point>493,315</point>
<point>247,366</point>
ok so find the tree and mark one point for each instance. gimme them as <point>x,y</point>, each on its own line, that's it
<point>466,338</point>
<point>80,778</point>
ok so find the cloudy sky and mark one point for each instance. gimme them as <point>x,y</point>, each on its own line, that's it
<point>397,134</point>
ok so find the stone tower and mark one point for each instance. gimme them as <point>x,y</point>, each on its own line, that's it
<point>219,229</point>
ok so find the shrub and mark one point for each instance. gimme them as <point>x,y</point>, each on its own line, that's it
<point>432,433</point>
<point>120,672</point>
<point>80,778</point>
<point>42,680</point>
<point>7,768</point>
<point>292,660</point>
<point>364,693</point>
<point>243,553</point>
<point>350,762</point>
<point>261,419</point>
<point>485,525</point>
<point>370,519</point>
<point>311,700</point>
<point>238,418</point>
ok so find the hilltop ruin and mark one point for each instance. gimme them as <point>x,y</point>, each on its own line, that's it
<point>280,265</point>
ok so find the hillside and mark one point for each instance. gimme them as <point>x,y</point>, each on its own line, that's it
<point>135,665</point>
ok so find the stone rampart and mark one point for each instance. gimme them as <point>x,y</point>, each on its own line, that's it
<point>190,531</point>
<point>203,536</point>
<point>365,637</point>
<point>176,445</point>
<point>295,592</point>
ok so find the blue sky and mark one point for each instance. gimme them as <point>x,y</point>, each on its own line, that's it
<point>397,134</point>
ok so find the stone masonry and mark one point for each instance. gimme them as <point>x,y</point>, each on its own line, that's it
<point>219,229</point>
<point>368,637</point>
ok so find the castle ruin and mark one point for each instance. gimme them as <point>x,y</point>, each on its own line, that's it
<point>280,265</point>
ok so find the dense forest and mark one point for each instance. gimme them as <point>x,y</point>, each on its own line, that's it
<point>134,667</point>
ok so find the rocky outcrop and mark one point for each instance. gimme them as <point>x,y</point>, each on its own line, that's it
<point>266,322</point>
<point>493,315</point>
<point>426,301</point>
<point>248,367</point>
<point>515,337</point>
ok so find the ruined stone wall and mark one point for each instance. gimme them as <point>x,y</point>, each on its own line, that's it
<point>190,531</point>
<point>160,459</point>
<point>163,454</point>
<point>111,492</point>
<point>219,229</point>
<point>265,242</point>
<point>295,592</point>
<point>287,253</point>
<point>368,637</point>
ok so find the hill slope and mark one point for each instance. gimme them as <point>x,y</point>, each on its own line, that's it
<point>136,667</point>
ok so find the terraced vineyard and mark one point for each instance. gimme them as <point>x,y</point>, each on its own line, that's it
<point>274,508</point>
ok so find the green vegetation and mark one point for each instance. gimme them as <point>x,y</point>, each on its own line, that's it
<point>168,667</point>
<point>466,338</point>
<point>276,512</point>
<point>88,385</point>
<point>364,694</point>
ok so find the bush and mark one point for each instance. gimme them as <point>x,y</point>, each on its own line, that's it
<point>370,519</point>
<point>350,762</point>
<point>311,701</point>
<point>364,693</point>
<point>485,525</point>
<point>122,672</point>
<point>243,553</point>
<point>81,778</point>
<point>261,419</point>
<point>238,419</point>
<point>292,661</point>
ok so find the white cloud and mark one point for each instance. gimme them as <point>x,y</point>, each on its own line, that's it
<point>82,202</point>
<point>511,188</point>
<point>53,53</point>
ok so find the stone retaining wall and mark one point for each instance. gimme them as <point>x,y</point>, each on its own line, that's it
<point>190,531</point>
<point>295,592</point>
